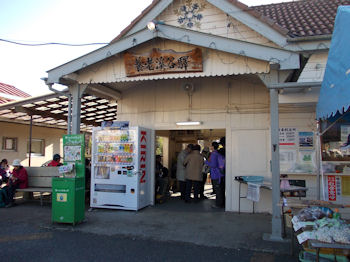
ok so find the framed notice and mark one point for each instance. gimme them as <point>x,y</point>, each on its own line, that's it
<point>288,160</point>
<point>288,136</point>
<point>306,140</point>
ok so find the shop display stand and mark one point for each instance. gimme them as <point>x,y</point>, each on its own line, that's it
<point>316,245</point>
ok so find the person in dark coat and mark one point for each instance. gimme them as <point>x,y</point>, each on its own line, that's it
<point>4,171</point>
<point>161,179</point>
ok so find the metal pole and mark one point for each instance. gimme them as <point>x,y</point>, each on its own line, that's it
<point>318,161</point>
<point>69,120</point>
<point>75,91</point>
<point>276,231</point>
<point>30,139</point>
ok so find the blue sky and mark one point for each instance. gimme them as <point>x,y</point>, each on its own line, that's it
<point>65,21</point>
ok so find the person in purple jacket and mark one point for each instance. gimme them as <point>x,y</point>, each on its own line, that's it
<point>216,162</point>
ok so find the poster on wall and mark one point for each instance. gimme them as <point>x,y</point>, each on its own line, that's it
<point>288,159</point>
<point>331,188</point>
<point>345,139</point>
<point>306,162</point>
<point>306,140</point>
<point>72,153</point>
<point>288,136</point>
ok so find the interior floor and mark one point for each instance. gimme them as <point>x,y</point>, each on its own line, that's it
<point>173,203</point>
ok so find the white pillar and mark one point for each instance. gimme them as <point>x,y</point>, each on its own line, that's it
<point>276,230</point>
<point>76,92</point>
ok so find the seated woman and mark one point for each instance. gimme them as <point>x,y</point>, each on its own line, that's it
<point>18,179</point>
<point>3,171</point>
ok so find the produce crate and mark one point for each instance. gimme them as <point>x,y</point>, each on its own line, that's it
<point>307,256</point>
<point>323,251</point>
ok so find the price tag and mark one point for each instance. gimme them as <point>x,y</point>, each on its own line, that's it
<point>297,226</point>
<point>305,236</point>
<point>300,224</point>
<point>295,219</point>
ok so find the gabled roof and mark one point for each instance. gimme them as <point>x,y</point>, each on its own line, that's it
<point>295,19</point>
<point>236,3</point>
<point>303,18</point>
<point>9,93</point>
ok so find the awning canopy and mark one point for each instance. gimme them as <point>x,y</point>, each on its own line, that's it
<point>335,90</point>
<point>52,110</point>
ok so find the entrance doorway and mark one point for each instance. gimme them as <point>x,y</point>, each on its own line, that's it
<point>169,144</point>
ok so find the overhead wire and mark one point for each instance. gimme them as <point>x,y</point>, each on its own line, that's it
<point>48,43</point>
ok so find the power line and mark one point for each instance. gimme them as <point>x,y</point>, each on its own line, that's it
<point>50,43</point>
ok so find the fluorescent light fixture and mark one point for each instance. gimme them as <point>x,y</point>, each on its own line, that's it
<point>189,123</point>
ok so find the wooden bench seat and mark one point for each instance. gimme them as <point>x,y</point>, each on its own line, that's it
<point>40,180</point>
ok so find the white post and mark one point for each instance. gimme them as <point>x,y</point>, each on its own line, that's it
<point>77,92</point>
<point>276,231</point>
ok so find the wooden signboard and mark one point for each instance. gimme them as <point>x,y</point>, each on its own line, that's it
<point>163,61</point>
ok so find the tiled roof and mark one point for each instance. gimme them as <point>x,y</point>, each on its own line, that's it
<point>300,18</point>
<point>8,91</point>
<point>304,18</point>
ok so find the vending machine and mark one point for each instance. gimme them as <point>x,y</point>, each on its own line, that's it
<point>120,168</point>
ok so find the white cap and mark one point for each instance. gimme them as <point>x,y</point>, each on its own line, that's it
<point>16,162</point>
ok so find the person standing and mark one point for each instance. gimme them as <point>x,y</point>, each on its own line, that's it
<point>215,162</point>
<point>205,170</point>
<point>194,163</point>
<point>181,170</point>
<point>161,180</point>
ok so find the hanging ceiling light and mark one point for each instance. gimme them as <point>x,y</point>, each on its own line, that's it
<point>189,123</point>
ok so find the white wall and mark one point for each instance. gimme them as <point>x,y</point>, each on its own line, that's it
<point>51,136</point>
<point>238,104</point>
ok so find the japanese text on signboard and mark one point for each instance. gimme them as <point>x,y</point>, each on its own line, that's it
<point>143,145</point>
<point>332,189</point>
<point>287,136</point>
<point>159,61</point>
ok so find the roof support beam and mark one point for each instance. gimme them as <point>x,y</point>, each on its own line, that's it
<point>151,15</point>
<point>55,74</point>
<point>30,100</point>
<point>251,21</point>
<point>286,59</point>
<point>32,112</point>
<point>104,91</point>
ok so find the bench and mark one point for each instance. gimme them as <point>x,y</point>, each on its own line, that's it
<point>40,180</point>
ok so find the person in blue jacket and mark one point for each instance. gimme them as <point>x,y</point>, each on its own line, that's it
<point>216,162</point>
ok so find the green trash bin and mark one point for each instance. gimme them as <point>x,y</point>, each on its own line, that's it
<point>68,200</point>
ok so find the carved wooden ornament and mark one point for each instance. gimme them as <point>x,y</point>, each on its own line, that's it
<point>163,61</point>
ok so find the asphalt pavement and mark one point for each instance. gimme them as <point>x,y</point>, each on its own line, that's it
<point>173,231</point>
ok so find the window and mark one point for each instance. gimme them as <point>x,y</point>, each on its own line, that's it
<point>38,147</point>
<point>9,143</point>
